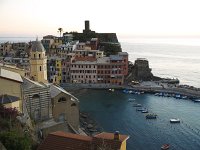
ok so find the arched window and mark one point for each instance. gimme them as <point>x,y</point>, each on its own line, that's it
<point>36,96</point>
<point>73,104</point>
<point>39,55</point>
<point>62,99</point>
<point>40,68</point>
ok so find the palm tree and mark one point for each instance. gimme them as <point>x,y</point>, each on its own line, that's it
<point>60,30</point>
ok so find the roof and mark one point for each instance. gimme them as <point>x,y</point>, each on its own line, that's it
<point>65,141</point>
<point>81,43</point>
<point>5,99</point>
<point>55,90</point>
<point>68,141</point>
<point>116,57</point>
<point>86,58</point>
<point>94,39</point>
<point>110,136</point>
<point>37,46</point>
<point>27,84</point>
<point>123,53</point>
<point>103,60</point>
<point>10,75</point>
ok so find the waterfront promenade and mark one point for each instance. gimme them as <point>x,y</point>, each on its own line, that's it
<point>146,86</point>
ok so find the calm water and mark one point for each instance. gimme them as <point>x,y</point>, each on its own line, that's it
<point>113,112</point>
<point>174,61</point>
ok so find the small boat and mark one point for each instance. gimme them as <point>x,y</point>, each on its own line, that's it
<point>197,100</point>
<point>165,146</point>
<point>175,120</point>
<point>145,111</point>
<point>151,116</point>
<point>137,105</point>
<point>140,109</point>
<point>131,100</point>
<point>156,94</point>
<point>111,90</point>
<point>184,97</point>
<point>178,96</point>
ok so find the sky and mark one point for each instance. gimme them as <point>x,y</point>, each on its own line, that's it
<point>127,18</point>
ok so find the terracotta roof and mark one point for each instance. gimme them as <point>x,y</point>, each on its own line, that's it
<point>67,141</point>
<point>86,58</point>
<point>110,136</point>
<point>107,140</point>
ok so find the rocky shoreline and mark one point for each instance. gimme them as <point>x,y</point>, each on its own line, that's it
<point>88,125</point>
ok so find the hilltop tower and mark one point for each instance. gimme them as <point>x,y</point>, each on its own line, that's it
<point>38,62</point>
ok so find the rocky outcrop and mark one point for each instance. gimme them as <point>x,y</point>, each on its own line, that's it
<point>140,71</point>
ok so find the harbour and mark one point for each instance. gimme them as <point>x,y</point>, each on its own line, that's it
<point>114,111</point>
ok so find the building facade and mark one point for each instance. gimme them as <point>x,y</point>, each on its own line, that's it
<point>38,62</point>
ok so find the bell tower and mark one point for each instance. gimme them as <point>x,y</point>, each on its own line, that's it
<point>38,62</point>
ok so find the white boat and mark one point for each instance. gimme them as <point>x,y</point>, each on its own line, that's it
<point>111,90</point>
<point>131,100</point>
<point>175,120</point>
<point>197,100</point>
<point>137,105</point>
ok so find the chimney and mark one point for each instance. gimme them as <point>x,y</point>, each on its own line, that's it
<point>116,135</point>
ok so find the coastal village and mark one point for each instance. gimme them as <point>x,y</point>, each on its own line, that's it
<point>35,77</point>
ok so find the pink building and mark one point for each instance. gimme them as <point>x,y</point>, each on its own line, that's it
<point>83,70</point>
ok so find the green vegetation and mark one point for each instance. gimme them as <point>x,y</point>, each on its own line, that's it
<point>11,131</point>
<point>12,140</point>
<point>110,48</point>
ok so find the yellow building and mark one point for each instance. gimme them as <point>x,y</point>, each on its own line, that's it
<point>11,83</point>
<point>10,101</point>
<point>38,62</point>
<point>65,107</point>
<point>58,77</point>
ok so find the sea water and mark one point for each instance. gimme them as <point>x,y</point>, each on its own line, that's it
<point>168,57</point>
<point>113,112</point>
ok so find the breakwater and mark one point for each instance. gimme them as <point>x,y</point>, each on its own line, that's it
<point>148,87</point>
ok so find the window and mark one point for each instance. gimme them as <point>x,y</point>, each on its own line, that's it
<point>36,96</point>
<point>73,104</point>
<point>39,55</point>
<point>40,68</point>
<point>62,99</point>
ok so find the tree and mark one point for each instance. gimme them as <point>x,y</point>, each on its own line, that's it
<point>60,30</point>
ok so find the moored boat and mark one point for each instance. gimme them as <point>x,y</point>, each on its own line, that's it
<point>165,146</point>
<point>175,120</point>
<point>197,100</point>
<point>151,116</point>
<point>131,100</point>
<point>137,105</point>
<point>111,90</point>
<point>145,111</point>
<point>140,109</point>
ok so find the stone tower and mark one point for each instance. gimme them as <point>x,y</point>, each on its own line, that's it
<point>38,62</point>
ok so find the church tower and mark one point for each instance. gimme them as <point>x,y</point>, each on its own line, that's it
<point>38,62</point>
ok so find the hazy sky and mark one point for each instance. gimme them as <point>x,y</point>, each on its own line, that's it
<point>125,17</point>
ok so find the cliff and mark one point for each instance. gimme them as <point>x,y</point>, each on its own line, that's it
<point>108,42</point>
